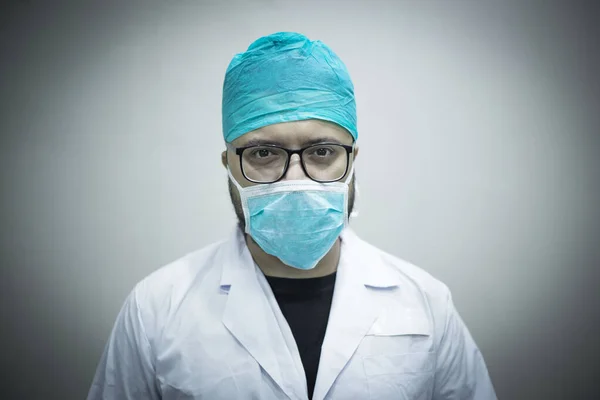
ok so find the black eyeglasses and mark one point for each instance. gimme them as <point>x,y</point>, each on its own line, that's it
<point>323,162</point>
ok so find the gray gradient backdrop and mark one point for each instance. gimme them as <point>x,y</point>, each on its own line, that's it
<point>479,162</point>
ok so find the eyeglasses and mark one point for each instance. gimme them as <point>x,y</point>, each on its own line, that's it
<point>323,162</point>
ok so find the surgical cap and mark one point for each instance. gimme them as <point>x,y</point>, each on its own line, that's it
<point>286,77</point>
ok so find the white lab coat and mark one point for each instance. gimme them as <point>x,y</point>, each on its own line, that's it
<point>207,326</point>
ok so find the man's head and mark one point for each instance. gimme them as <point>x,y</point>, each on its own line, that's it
<point>294,98</point>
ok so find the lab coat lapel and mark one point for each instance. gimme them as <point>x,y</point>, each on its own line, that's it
<point>354,309</point>
<point>251,320</point>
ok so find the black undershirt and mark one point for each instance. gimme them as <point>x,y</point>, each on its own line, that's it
<point>305,304</point>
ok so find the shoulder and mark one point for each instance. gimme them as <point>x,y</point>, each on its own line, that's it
<point>418,288</point>
<point>429,285</point>
<point>159,294</point>
<point>408,273</point>
<point>179,274</point>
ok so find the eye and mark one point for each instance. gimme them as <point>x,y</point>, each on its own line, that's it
<point>323,151</point>
<point>262,153</point>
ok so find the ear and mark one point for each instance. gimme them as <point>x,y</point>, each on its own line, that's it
<point>224,158</point>
<point>355,152</point>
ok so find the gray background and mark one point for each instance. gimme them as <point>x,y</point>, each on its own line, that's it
<point>479,162</point>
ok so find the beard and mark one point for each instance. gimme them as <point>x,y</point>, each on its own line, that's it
<point>239,211</point>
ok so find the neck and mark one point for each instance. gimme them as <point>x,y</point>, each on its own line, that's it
<point>272,266</point>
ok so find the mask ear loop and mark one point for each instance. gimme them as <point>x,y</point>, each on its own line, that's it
<point>242,200</point>
<point>355,208</point>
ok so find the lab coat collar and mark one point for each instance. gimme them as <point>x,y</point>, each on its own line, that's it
<point>251,319</point>
<point>373,277</point>
<point>366,265</point>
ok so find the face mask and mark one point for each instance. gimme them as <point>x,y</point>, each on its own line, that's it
<point>295,221</point>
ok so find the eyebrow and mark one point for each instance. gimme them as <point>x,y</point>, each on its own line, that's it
<point>262,142</point>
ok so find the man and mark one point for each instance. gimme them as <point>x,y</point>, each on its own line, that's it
<point>293,305</point>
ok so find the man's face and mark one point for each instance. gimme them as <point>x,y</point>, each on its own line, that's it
<point>291,135</point>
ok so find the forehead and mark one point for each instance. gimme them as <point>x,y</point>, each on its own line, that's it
<point>296,134</point>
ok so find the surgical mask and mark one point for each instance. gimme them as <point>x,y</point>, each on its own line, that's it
<point>296,221</point>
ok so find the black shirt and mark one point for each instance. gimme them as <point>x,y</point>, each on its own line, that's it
<point>305,304</point>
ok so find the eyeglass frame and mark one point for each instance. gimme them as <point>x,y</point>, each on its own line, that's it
<point>240,150</point>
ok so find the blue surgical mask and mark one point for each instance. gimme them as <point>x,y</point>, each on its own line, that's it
<point>295,221</point>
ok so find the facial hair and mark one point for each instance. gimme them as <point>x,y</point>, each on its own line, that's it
<point>239,211</point>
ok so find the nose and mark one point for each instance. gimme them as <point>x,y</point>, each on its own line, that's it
<point>294,171</point>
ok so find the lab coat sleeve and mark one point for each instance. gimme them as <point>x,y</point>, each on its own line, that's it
<point>126,369</point>
<point>461,373</point>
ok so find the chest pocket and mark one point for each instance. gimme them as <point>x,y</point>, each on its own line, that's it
<point>398,357</point>
<point>400,376</point>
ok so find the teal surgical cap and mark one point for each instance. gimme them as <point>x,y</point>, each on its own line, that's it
<point>286,77</point>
